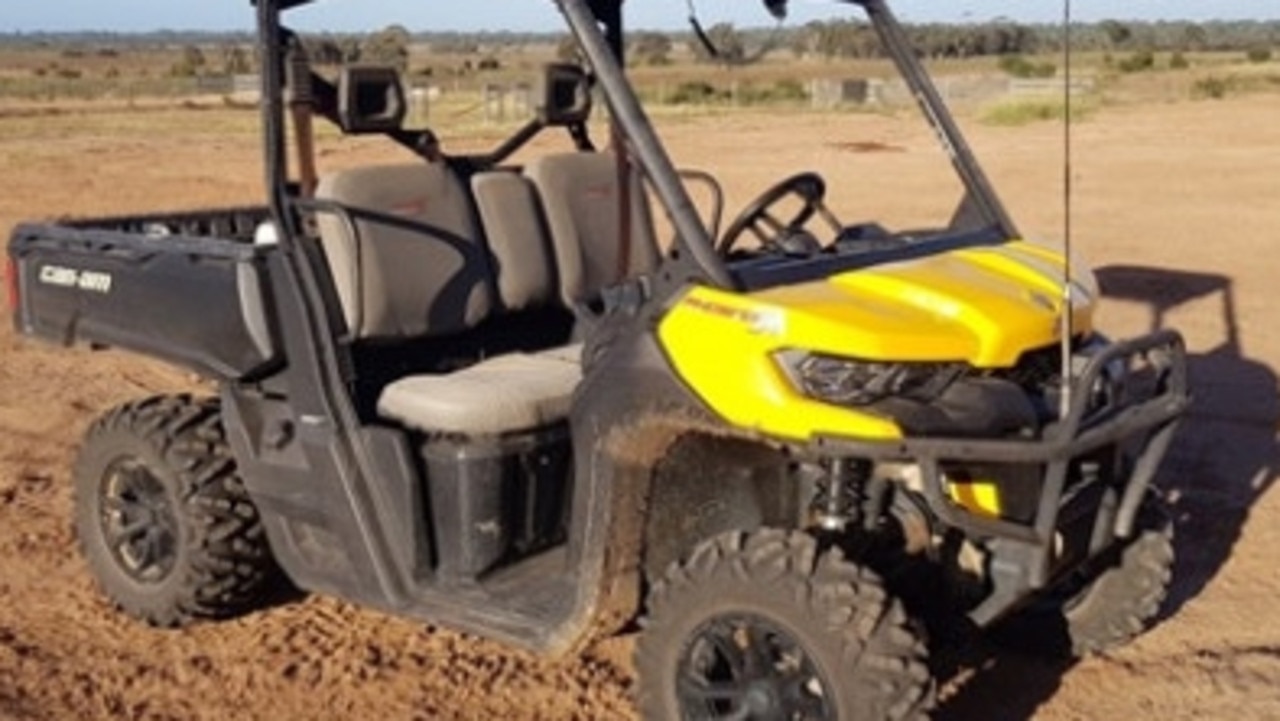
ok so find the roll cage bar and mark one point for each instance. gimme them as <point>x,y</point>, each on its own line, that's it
<point>597,26</point>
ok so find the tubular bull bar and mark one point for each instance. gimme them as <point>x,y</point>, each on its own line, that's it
<point>1023,553</point>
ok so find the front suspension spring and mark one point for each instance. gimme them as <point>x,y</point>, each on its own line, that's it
<point>841,492</point>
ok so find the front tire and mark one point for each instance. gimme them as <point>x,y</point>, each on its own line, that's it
<point>1111,601</point>
<point>765,625</point>
<point>163,518</point>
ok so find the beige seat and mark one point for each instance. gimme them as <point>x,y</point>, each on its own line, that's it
<point>514,392</point>
<point>580,193</point>
<point>410,262</point>
<point>520,250</point>
<point>579,207</point>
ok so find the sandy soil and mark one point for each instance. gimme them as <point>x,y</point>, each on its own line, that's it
<point>1179,206</point>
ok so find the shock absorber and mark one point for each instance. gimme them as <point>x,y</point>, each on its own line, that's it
<point>839,500</point>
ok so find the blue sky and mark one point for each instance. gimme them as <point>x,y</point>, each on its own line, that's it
<point>142,15</point>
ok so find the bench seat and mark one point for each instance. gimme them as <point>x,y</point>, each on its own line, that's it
<point>505,394</point>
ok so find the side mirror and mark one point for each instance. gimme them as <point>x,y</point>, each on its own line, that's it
<point>370,99</point>
<point>565,94</point>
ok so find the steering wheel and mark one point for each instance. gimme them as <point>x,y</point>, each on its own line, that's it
<point>758,218</point>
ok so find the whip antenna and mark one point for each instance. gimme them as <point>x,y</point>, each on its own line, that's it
<point>1068,309</point>
<point>776,8</point>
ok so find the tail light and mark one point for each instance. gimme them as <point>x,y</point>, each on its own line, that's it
<point>11,282</point>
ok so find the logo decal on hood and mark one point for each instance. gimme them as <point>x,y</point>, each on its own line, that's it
<point>770,322</point>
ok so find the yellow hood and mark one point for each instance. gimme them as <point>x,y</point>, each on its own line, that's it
<point>986,306</point>
<point>983,306</point>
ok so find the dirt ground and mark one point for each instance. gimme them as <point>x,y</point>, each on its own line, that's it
<point>1178,205</point>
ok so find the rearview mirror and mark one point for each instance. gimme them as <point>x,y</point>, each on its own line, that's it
<point>370,99</point>
<point>776,8</point>
<point>566,95</point>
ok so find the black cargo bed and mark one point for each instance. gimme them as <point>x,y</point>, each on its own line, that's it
<point>186,287</point>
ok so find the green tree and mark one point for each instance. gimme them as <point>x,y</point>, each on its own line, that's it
<point>1118,34</point>
<point>727,42</point>
<point>567,50</point>
<point>651,48</point>
<point>389,46</point>
<point>191,64</point>
<point>843,39</point>
<point>235,61</point>
<point>1194,38</point>
<point>325,51</point>
<point>352,50</point>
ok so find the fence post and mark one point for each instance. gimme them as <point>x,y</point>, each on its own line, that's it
<point>419,108</point>
<point>495,103</point>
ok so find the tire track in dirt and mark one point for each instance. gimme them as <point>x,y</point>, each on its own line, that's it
<point>1238,682</point>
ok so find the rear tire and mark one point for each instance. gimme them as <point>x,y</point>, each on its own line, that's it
<point>765,625</point>
<point>163,518</point>
<point>1116,598</point>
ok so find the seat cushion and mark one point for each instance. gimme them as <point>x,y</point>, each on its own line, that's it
<point>410,261</point>
<point>515,392</point>
<point>517,235</point>
<point>581,197</point>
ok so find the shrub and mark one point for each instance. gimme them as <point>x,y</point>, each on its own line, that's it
<point>1140,61</point>
<point>783,91</point>
<point>1260,54</point>
<point>1212,88</point>
<point>191,64</point>
<point>790,90</point>
<point>694,92</point>
<point>1019,67</point>
<point>1179,62</point>
<point>1025,112</point>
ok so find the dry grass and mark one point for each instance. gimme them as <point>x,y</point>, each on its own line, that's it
<point>140,75</point>
<point>1016,113</point>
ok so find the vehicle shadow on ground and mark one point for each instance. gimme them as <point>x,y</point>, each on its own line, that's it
<point>1227,452</point>
<point>1225,457</point>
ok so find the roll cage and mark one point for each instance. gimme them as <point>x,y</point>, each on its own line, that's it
<point>598,28</point>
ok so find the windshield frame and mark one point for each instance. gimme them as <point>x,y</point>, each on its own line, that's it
<point>987,221</point>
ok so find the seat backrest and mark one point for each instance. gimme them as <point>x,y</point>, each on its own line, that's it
<point>410,262</point>
<point>517,235</point>
<point>580,192</point>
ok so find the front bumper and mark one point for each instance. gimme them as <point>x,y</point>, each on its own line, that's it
<point>1024,554</point>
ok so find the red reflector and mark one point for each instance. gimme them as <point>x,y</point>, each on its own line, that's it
<point>11,283</point>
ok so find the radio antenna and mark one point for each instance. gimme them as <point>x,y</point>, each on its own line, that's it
<point>1068,300</point>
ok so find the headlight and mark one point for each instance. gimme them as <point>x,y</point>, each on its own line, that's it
<point>850,382</point>
<point>1108,388</point>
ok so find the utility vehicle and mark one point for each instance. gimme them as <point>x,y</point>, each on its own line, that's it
<point>485,395</point>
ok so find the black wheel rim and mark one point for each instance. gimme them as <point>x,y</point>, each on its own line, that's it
<point>745,667</point>
<point>138,521</point>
